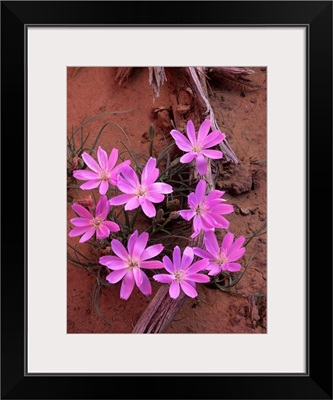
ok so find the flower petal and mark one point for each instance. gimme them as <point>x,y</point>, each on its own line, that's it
<point>197,224</point>
<point>84,175</point>
<point>221,208</point>
<point>148,208</point>
<point>203,131</point>
<point>200,191</point>
<point>92,184</point>
<point>145,286</point>
<point>174,289</point>
<point>140,245</point>
<point>116,276</point>
<point>198,266</point>
<point>132,204</point>
<point>114,175</point>
<point>153,264</point>
<point>104,187</point>
<point>150,172</point>
<point>112,262</point>
<point>213,139</point>
<point>131,242</point>
<point>127,285</point>
<point>195,233</point>
<point>119,249</point>
<point>181,141</point>
<point>214,154</point>
<point>188,157</point>
<point>190,130</point>
<point>102,232</point>
<point>130,176</point>
<point>121,199</point>
<point>113,227</point>
<point>188,289</point>
<point>92,164</point>
<point>77,231</point>
<point>238,243</point>
<point>87,235</point>
<point>163,278</point>
<point>176,257</point>
<point>211,243</point>
<point>102,208</point>
<point>187,214</point>
<point>82,211</point>
<point>102,158</point>
<point>215,270</point>
<point>151,251</point>
<point>125,186</point>
<point>155,197</point>
<point>232,267</point>
<point>236,254</point>
<point>160,187</point>
<point>201,164</point>
<point>220,222</point>
<point>227,242</point>
<point>81,222</point>
<point>137,276</point>
<point>208,222</point>
<point>183,147</point>
<point>112,159</point>
<point>215,194</point>
<point>187,258</point>
<point>203,253</point>
<point>192,200</point>
<point>201,278</point>
<point>168,265</point>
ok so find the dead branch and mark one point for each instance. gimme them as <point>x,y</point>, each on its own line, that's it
<point>198,79</point>
<point>156,79</point>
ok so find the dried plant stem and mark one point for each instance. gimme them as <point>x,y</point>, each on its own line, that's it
<point>198,79</point>
<point>162,309</point>
<point>160,312</point>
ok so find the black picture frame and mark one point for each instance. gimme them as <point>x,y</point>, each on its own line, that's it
<point>316,383</point>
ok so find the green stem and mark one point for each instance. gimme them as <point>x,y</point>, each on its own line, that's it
<point>224,289</point>
<point>161,226</point>
<point>134,219</point>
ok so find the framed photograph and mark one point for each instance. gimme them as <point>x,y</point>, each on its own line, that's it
<point>152,90</point>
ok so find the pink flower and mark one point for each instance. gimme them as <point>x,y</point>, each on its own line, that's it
<point>182,273</point>
<point>221,258</point>
<point>142,193</point>
<point>87,224</point>
<point>197,147</point>
<point>206,210</point>
<point>127,265</point>
<point>103,172</point>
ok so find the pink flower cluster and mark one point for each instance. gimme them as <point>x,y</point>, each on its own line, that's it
<point>136,194</point>
<point>207,210</point>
